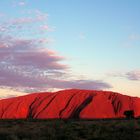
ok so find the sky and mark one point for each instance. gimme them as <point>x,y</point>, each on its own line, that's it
<point>48,45</point>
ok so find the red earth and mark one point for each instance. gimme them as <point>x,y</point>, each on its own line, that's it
<point>73,103</point>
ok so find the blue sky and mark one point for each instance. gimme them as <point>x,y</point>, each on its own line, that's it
<point>90,44</point>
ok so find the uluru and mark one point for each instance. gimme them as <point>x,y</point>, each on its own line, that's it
<point>67,104</point>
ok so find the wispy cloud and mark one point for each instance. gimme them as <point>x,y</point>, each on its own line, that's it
<point>2,15</point>
<point>45,28</point>
<point>82,84</point>
<point>82,36</point>
<point>33,23</point>
<point>16,3</point>
<point>132,40</point>
<point>131,75</point>
<point>134,37</point>
<point>34,16</point>
<point>22,3</point>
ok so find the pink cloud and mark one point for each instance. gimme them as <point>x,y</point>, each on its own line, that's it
<point>28,20</point>
<point>45,28</point>
<point>21,52</point>
<point>23,20</point>
<point>31,23</point>
<point>27,64</point>
<point>46,40</point>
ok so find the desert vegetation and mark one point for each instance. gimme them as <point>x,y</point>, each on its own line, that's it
<point>32,129</point>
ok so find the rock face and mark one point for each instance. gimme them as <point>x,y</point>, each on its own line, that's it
<point>74,103</point>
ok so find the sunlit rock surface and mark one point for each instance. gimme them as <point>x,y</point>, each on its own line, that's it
<point>74,103</point>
